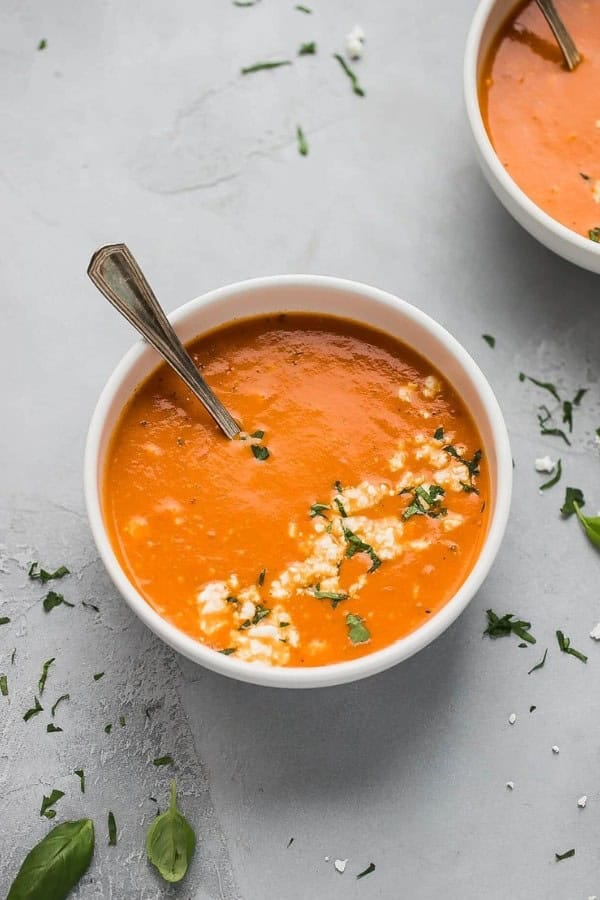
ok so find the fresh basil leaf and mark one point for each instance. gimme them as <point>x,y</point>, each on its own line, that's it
<point>335,597</point>
<point>38,708</point>
<point>308,49</point>
<point>37,574</point>
<point>49,801</point>
<point>260,66</point>
<point>42,44</point>
<point>357,630</point>
<point>112,830</point>
<point>81,775</point>
<point>351,75</point>
<point>259,435</point>
<point>489,339</point>
<point>572,496</point>
<point>44,675</point>
<point>53,599</point>
<point>591,524</point>
<point>555,478</point>
<point>564,644</point>
<point>60,700</point>
<point>438,434</point>
<point>540,664</point>
<point>163,761</point>
<point>302,142</point>
<point>340,507</point>
<point>122,721</point>
<point>579,396</point>
<point>260,452</point>
<point>228,651</point>
<point>170,842</point>
<point>56,864</point>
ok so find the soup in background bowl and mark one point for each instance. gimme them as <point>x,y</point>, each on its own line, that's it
<point>353,520</point>
<point>534,123</point>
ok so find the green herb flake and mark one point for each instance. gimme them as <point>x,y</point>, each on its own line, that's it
<point>317,509</point>
<point>245,2</point>
<point>51,728</point>
<point>108,728</point>
<point>261,66</point>
<point>37,574</point>
<point>340,507</point>
<point>44,675</point>
<point>53,599</point>
<point>122,721</point>
<point>308,49</point>
<point>555,478</point>
<point>579,396</point>
<point>438,434</point>
<point>472,465</point>
<point>60,700</point>
<point>532,709</point>
<point>259,614</point>
<point>351,75</point>
<point>489,339</point>
<point>34,711</point>
<point>335,597</point>
<point>112,830</point>
<point>303,9</point>
<point>170,842</point>
<point>572,496</point>
<point>4,685</point>
<point>431,498</point>
<point>261,577</point>
<point>259,435</point>
<point>4,620</point>
<point>545,385</point>
<point>90,606</point>
<point>302,142</point>
<point>42,44</point>
<point>260,453</point>
<point>98,676</point>
<point>228,651</point>
<point>12,656</point>
<point>567,855</point>
<point>56,864</point>
<point>49,801</point>
<point>81,775</point>
<point>163,761</point>
<point>357,630</point>
<point>370,868</point>
<point>540,664</point>
<point>564,644</point>
<point>590,524</point>
<point>355,545</point>
<point>594,235</point>
<point>289,843</point>
<point>503,626</point>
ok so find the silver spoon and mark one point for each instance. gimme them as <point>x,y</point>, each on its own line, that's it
<point>563,38</point>
<point>117,275</point>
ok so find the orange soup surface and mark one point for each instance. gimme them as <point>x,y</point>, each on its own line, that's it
<point>543,120</point>
<point>349,512</point>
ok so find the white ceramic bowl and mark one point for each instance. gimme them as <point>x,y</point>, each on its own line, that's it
<point>311,294</point>
<point>489,18</point>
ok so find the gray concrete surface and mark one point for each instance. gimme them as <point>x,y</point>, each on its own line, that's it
<point>134,125</point>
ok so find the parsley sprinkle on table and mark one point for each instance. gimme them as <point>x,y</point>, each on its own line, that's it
<point>503,626</point>
<point>303,9</point>
<point>302,142</point>
<point>38,708</point>
<point>81,775</point>
<point>42,44</point>
<point>4,620</point>
<point>540,664</point>
<point>112,830</point>
<point>49,801</point>
<point>489,339</point>
<point>37,574</point>
<point>308,49</point>
<point>98,676</point>
<point>566,855</point>
<point>163,761</point>
<point>51,728</point>
<point>260,66</point>
<point>351,75</point>
<point>52,599</point>
<point>370,868</point>
<point>4,685</point>
<point>60,700</point>
<point>44,675</point>
<point>555,478</point>
<point>565,645</point>
<point>572,496</point>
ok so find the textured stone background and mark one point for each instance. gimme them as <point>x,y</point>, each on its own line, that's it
<point>134,125</point>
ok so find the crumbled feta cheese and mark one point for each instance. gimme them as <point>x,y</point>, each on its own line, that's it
<point>544,464</point>
<point>407,391</point>
<point>512,719</point>
<point>355,43</point>
<point>582,802</point>
<point>556,749</point>
<point>340,865</point>
<point>431,387</point>
<point>510,785</point>
<point>595,632</point>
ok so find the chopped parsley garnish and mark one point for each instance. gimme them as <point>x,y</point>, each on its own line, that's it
<point>351,75</point>
<point>98,676</point>
<point>370,868</point>
<point>471,464</point>
<point>259,452</point>
<point>44,675</point>
<point>37,574</point>
<point>4,620</point>
<point>122,721</point>
<point>555,478</point>
<point>468,488</point>
<point>53,599</point>
<point>108,728</point>
<point>532,709</point>
<point>259,435</point>
<point>357,630</point>
<point>49,801</point>
<point>302,142</point>
<point>260,66</point>
<point>261,578</point>
<point>81,775</point>
<point>545,385</point>
<point>540,664</point>
<point>438,434</point>
<point>308,49</point>
<point>38,708</point>
<point>60,700</point>
<point>335,597</point>
<point>355,545</point>
<point>231,599</point>
<point>12,656</point>
<point>503,626</point>
<point>51,728</point>
<point>260,613</point>
<point>4,685</point>
<point>594,235</point>
<point>303,9</point>
<point>489,339</point>
<point>340,507</point>
<point>431,498</point>
<point>565,645</point>
<point>90,606</point>
<point>227,651</point>
<point>112,830</point>
<point>579,396</point>
<point>317,510</point>
<point>566,855</point>
<point>591,525</point>
<point>163,761</point>
<point>572,496</point>
<point>42,44</point>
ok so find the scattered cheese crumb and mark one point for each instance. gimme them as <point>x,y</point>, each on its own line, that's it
<point>327,858</point>
<point>355,43</point>
<point>596,192</point>
<point>340,865</point>
<point>510,785</point>
<point>544,464</point>
<point>512,719</point>
<point>582,801</point>
<point>595,632</point>
<point>556,749</point>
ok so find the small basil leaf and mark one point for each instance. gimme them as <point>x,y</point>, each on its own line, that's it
<point>170,842</point>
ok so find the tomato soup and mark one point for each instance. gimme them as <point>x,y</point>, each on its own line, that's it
<point>348,512</point>
<point>543,120</point>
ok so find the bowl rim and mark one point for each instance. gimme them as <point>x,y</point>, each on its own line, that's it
<point>336,673</point>
<point>485,146</point>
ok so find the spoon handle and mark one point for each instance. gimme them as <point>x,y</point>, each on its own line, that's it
<point>563,38</point>
<point>116,274</point>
